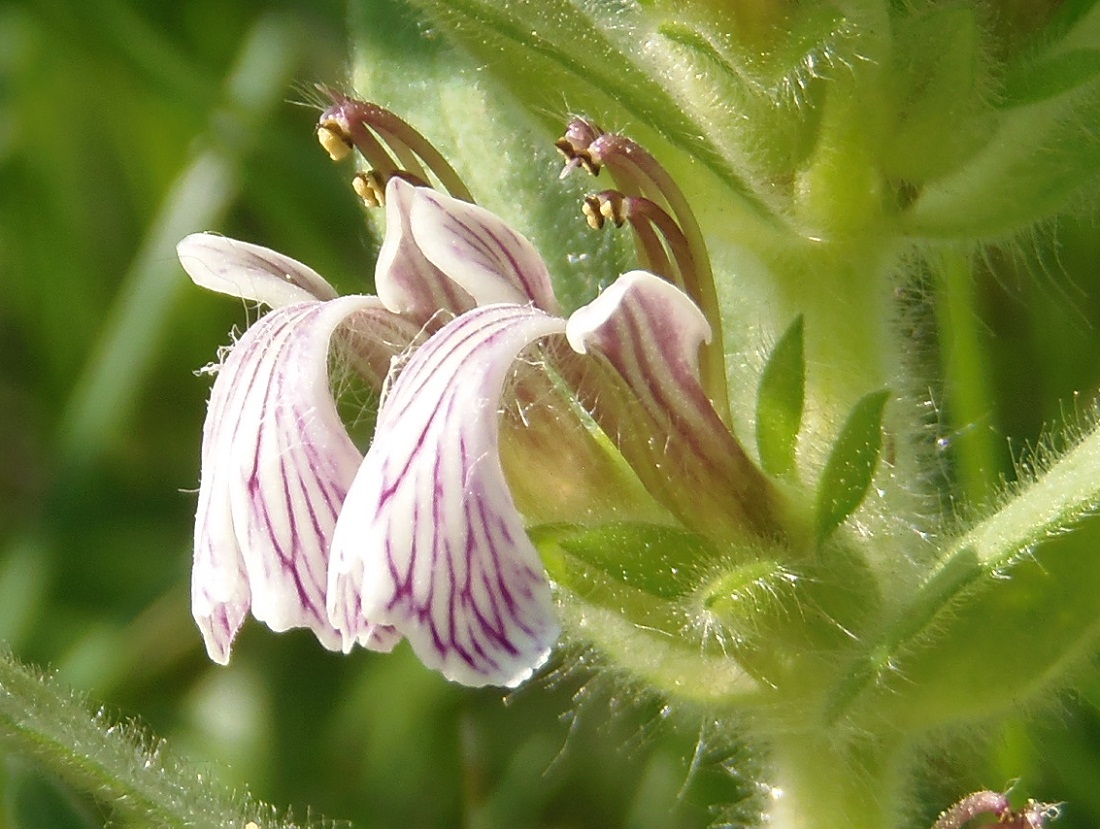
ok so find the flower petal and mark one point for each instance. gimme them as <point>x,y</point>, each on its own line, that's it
<point>276,465</point>
<point>429,540</point>
<point>666,427</point>
<point>249,271</point>
<point>407,283</point>
<point>676,324</point>
<point>480,252</point>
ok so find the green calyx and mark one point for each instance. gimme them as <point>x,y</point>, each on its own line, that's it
<point>778,620</point>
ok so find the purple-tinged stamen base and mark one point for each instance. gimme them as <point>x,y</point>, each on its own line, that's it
<point>1034,815</point>
<point>371,129</point>
<point>661,204</point>
<point>661,246</point>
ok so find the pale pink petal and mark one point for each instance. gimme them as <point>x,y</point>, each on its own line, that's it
<point>429,540</point>
<point>649,331</point>
<point>476,249</point>
<point>675,327</point>
<point>276,465</point>
<point>407,283</point>
<point>249,271</point>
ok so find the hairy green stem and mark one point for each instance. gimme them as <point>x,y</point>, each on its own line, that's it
<point>966,378</point>
<point>845,292</point>
<point>825,783</point>
<point>1069,490</point>
<point>45,722</point>
<point>955,634</point>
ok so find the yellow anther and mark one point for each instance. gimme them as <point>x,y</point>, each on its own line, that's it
<point>369,188</point>
<point>592,212</point>
<point>334,141</point>
<point>565,147</point>
<point>577,157</point>
<point>611,205</point>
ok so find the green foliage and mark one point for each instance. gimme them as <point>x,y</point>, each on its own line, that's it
<point>105,109</point>
<point>1008,601</point>
<point>1047,102</point>
<point>952,87</point>
<point>46,722</point>
<point>779,402</point>
<point>662,561</point>
<point>124,124</point>
<point>33,800</point>
<point>539,50</point>
<point>1059,74</point>
<point>851,465</point>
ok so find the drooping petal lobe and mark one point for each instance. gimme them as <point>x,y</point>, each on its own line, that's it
<point>276,465</point>
<point>649,331</point>
<point>407,283</point>
<point>249,271</point>
<point>430,541</point>
<point>476,249</point>
<point>613,322</point>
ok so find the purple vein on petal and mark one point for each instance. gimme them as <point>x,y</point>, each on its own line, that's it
<point>480,252</point>
<point>407,282</point>
<point>650,333</point>
<point>430,541</point>
<point>249,271</point>
<point>277,463</point>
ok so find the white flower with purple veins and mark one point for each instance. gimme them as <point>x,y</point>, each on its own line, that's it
<point>425,537</point>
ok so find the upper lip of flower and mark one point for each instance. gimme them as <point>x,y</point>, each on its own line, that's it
<point>422,537</point>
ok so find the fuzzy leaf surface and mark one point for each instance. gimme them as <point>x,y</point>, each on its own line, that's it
<point>851,464</point>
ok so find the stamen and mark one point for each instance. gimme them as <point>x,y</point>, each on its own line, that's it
<point>652,254</point>
<point>605,206</point>
<point>389,145</point>
<point>371,188</point>
<point>335,144</point>
<point>575,146</point>
<point>654,205</point>
<point>661,247</point>
<point>592,212</point>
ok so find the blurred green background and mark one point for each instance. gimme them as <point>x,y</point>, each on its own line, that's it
<point>124,125</point>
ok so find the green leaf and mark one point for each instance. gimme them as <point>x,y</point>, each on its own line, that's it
<point>779,401</point>
<point>851,464</point>
<point>979,640</point>
<point>33,801</point>
<point>1065,19</point>
<point>628,587</point>
<point>1039,158</point>
<point>1043,150</point>
<point>661,561</point>
<point>1061,73</point>
<point>43,722</point>
<point>939,89</point>
<point>774,127</point>
<point>1010,612</point>
<point>791,623</point>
